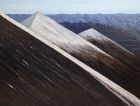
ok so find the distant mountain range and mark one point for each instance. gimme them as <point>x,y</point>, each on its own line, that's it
<point>124,21</point>
<point>121,28</point>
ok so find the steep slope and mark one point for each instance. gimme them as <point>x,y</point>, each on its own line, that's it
<point>113,69</point>
<point>35,73</point>
<point>111,47</point>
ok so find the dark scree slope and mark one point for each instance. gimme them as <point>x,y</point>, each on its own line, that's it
<point>33,74</point>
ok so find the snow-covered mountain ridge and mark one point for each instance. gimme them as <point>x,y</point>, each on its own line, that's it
<point>109,46</point>
<point>83,50</point>
<point>32,88</point>
<point>56,33</point>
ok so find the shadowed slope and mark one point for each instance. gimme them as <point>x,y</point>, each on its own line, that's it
<point>32,73</point>
<point>113,69</point>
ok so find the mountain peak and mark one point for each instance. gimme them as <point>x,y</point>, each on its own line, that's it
<point>29,21</point>
<point>91,30</point>
<point>52,30</point>
<point>92,33</point>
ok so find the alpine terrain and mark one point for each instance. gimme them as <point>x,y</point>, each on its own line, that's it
<point>34,71</point>
<point>126,74</point>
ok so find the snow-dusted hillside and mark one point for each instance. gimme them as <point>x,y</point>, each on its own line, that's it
<point>125,23</point>
<point>36,72</point>
<point>110,47</point>
<point>56,33</point>
<point>84,51</point>
<point>93,35</point>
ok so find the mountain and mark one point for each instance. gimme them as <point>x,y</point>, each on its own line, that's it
<point>124,75</point>
<point>124,37</point>
<point>121,28</point>
<point>110,47</point>
<point>36,72</point>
